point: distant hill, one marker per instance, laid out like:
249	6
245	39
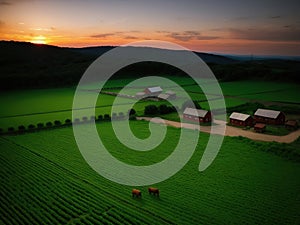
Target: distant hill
27	65
206	57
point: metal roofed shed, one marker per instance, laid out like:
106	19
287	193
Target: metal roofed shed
267	113
239	116
163	96
153	91
198	115
240	119
269	116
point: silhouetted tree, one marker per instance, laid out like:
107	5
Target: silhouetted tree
21	128
40	125
67	121
164	109
10	129
106	117
31	127
49	124
114	116
57	123
151	110
131	112
121	115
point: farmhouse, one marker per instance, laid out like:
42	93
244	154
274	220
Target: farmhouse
197	115
260	127
240	119
269	116
153	91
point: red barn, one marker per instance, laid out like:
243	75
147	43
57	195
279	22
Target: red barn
269	116
240	119
197	115
153	91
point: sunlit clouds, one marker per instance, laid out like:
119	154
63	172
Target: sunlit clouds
236	27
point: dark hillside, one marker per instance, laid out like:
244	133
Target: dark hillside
26	65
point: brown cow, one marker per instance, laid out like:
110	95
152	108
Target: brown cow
154	191
136	193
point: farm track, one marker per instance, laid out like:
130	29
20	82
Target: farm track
230	131
78	207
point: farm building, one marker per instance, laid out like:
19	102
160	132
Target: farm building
260	127
269	116
197	115
291	125
172	94
163	96
240	119
153	91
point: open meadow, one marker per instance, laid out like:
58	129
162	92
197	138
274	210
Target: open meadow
47	105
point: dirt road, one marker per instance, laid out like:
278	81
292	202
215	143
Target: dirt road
230	131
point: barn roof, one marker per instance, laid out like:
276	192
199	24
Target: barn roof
267	113
154	89
195	112
163	96
239	116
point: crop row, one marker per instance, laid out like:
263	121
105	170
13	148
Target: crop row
68	198
242	186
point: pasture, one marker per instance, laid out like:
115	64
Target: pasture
46	181
43	105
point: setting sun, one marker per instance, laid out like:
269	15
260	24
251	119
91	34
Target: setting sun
39	40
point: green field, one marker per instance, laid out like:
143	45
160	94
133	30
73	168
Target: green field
46	181
43	105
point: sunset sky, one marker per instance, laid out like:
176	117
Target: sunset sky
265	27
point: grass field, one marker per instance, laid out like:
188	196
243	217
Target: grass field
45	180
44	105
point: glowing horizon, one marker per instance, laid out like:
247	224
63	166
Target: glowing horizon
229	28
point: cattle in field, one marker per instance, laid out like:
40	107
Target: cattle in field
154	191
136	193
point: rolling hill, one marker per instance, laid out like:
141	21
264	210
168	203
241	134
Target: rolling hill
26	65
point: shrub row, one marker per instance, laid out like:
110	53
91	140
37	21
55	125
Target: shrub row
162	109
57	123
